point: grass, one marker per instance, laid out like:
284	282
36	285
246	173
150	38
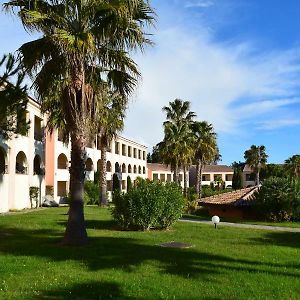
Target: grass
254	222
228	263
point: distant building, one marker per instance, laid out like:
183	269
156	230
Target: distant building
211	173
248	176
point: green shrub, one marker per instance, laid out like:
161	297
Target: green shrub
191	203
116	183
148	205
278	199
34	196
91	193
129	183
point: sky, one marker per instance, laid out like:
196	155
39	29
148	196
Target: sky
236	61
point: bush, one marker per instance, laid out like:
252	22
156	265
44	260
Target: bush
148	205
91	193
191	203
129	183
278	199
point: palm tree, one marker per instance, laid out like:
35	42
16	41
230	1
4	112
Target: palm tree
112	122
256	158
177	141
292	165
206	149
82	44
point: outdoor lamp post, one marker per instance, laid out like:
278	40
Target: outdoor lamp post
215	220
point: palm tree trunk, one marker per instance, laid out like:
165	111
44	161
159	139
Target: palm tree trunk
257	177
185	181
200	182
198	177
102	181
175	178
75	233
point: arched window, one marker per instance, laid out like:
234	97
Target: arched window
134	169
62	162
3	168
129	169
37	170
89	166
108	166
144	170
123	168
117	167
99	165
21	163
140	170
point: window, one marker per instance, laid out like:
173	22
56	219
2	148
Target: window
155	176
169	177
134	152
205	177
162	177
144	170
140	154
144	155
129	151
21	163
38	131
250	177
134	169
62	162
123	184
61	188
123	150
228	177
3	166
108	166
217	177
37	170
117	168
129	169
89	166
117	150
140	170
123	168
21	119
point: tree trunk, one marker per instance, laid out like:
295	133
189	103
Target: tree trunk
75	233
200	183
185	181
102	181
175	179
198	177
257	177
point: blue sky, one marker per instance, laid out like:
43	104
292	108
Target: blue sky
237	61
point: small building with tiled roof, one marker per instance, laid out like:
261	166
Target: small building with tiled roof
235	204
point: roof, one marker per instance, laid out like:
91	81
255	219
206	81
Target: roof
247	168
242	197
158	167
215	169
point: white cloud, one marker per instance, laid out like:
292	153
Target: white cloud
199	3
278	123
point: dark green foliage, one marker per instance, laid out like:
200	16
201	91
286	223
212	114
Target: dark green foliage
116	183
13	99
191	203
273	170
148	205
91	193
129	184
208	191
96	177
237	179
34	196
278	199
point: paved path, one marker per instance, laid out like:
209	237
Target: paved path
264	227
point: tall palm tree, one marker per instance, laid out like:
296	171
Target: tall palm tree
177	135
82	43
206	149
256	157
112	121
292	165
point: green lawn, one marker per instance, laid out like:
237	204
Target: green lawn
227	263
254	222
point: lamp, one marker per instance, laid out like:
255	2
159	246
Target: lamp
215	220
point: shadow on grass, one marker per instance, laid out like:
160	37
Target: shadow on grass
87	290
287	239
104	253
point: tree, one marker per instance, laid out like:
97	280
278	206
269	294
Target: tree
292	165
112	121
256	157
82	44
13	99
237	179
129	183
176	148
206	149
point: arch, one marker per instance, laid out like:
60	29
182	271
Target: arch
134	169
37	165
89	165
62	162
123	168
108	166
3	161
129	169
98	165
144	170
21	163
140	170
117	167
